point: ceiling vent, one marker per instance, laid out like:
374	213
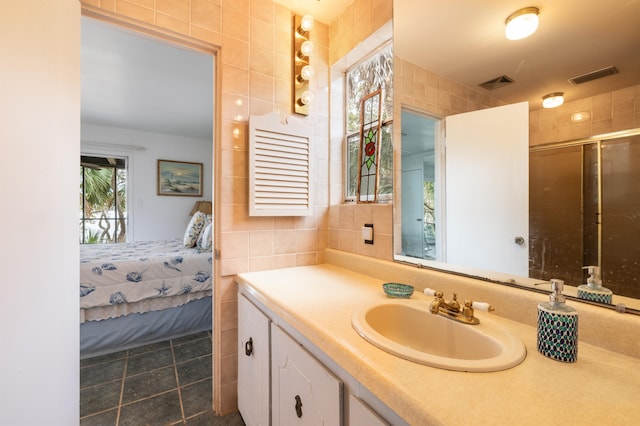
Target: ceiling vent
594	75
496	83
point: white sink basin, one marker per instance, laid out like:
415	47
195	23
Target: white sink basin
407	329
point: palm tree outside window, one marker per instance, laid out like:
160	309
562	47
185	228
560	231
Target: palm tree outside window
103	200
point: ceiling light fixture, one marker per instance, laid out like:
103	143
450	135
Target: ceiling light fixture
553	100
521	23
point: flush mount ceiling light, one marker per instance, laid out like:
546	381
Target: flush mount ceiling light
521	23
553	100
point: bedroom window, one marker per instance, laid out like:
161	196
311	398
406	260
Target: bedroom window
103	200
369	151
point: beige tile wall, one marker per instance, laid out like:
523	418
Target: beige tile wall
355	24
422	90
358	22
607	112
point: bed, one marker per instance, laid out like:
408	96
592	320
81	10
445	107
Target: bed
137	293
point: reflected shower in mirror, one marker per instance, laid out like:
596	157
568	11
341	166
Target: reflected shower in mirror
585	210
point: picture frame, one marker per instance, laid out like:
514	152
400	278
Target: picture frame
179	178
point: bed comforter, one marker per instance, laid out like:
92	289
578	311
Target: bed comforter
141	273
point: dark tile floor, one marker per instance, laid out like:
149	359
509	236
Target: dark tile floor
167	383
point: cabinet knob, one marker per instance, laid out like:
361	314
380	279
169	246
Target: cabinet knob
298	406
248	347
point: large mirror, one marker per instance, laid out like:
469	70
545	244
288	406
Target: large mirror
575	183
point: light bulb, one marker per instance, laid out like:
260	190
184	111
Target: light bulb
305	73
306	23
306	48
522	23
306	97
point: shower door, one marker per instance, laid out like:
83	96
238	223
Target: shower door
585	210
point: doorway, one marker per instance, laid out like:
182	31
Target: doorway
147	97
419	228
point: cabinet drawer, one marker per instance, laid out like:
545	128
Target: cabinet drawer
304	392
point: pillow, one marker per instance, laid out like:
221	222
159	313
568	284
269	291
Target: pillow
194	228
205	239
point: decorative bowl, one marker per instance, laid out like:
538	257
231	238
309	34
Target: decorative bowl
398	290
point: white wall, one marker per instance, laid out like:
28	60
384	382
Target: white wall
39	142
154	217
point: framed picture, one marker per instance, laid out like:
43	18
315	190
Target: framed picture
179	178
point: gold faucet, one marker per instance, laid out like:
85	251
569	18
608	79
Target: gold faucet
451	309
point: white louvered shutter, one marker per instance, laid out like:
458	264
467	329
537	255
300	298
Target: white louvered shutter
279	166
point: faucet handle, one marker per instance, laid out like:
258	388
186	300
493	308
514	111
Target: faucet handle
429	292
482	306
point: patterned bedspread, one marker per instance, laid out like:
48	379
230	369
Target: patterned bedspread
114	274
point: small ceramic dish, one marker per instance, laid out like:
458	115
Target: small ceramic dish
398	290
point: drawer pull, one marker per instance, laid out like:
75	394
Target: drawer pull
248	347
298	406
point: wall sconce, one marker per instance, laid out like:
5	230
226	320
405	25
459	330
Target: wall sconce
521	23
302	71
578	117
553	100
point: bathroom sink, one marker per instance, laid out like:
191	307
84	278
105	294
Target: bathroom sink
408	330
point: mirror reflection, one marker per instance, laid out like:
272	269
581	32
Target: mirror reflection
582	205
418	186
584	210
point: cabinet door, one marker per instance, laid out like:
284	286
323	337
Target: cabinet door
253	364
304	391
362	414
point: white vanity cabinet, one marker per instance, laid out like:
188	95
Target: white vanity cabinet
283	382
271	363
253	364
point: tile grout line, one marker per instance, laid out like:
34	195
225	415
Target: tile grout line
124	376
175	371
173	345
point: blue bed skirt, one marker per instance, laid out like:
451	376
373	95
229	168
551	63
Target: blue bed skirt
126	332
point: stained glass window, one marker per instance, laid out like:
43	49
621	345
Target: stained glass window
369	105
369	147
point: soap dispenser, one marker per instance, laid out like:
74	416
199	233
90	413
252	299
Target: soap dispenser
593	289
557	326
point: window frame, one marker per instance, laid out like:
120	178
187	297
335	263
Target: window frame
386	127
127	157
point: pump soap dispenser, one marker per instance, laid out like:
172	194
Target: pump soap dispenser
557	326
594	290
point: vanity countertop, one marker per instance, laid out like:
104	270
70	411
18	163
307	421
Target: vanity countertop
602	387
